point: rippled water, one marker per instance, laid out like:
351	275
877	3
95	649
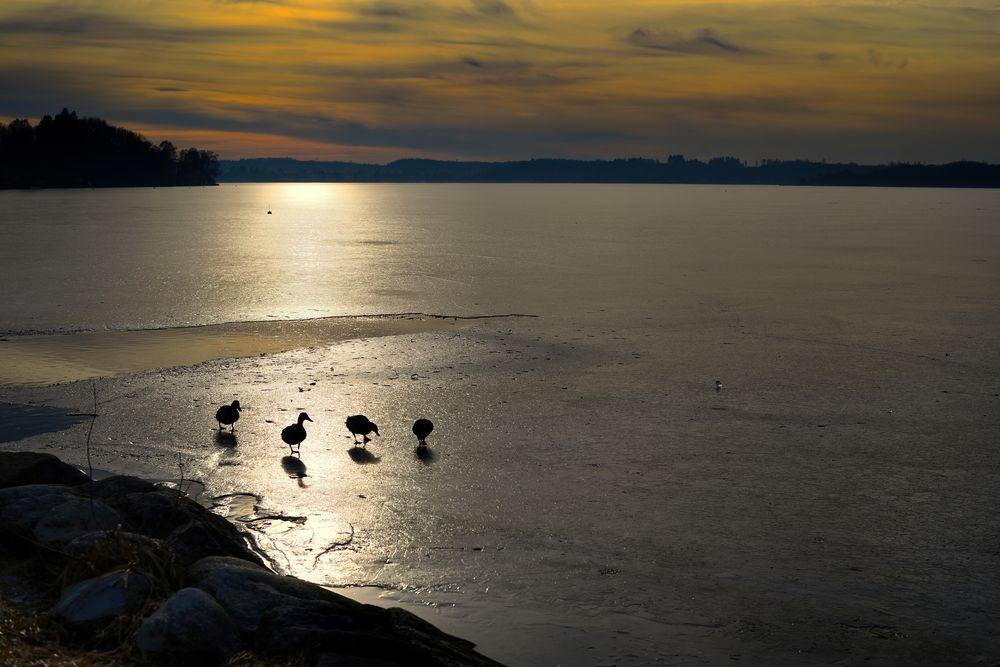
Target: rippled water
590	498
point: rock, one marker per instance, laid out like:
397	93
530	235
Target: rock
152	513
84	545
247	592
430	645
99	600
21	507
190	627
21	468
115	486
98	552
204	537
284	615
51	516
313	624
333	660
191	530
73	518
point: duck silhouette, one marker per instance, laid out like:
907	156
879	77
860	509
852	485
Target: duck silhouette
361	425
422	428
228	414
295	434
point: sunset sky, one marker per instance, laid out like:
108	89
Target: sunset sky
512	79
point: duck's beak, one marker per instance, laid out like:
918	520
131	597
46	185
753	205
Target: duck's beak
377	433
309	420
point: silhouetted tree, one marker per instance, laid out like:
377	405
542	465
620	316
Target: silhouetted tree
195	167
68	151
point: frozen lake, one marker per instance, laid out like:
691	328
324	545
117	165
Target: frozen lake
590	498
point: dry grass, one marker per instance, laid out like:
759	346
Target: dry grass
27	642
24	642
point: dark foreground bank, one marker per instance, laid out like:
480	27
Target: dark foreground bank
122	562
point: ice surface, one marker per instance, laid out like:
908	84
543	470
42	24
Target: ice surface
590	497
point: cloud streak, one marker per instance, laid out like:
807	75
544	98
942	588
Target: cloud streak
704	42
497	9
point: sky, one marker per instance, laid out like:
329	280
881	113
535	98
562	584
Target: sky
378	80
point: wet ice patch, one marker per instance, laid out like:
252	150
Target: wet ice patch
19	421
68	357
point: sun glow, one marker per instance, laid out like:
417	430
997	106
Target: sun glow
305	195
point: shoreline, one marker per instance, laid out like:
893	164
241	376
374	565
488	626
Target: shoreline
137	560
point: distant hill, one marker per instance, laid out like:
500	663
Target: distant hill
677	169
66	151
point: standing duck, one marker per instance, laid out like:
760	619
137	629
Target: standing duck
361	425
228	414
422	428
295	434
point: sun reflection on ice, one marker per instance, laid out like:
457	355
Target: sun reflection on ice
293	543
308	195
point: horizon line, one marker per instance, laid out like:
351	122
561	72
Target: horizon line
749	164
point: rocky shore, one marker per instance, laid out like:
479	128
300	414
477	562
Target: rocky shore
122	561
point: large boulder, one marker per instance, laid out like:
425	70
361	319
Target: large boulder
189	529
73	518
248	592
21	468
205	537
152	513
21	507
283	615
334	660
100	600
189	628
116	486
51	516
87	545
103	551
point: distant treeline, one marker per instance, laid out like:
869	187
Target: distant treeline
677	169
66	151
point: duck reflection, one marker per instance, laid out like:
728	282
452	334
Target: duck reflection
293	467
425	454
362	455
225	438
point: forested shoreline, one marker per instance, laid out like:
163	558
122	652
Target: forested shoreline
68	151
676	169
